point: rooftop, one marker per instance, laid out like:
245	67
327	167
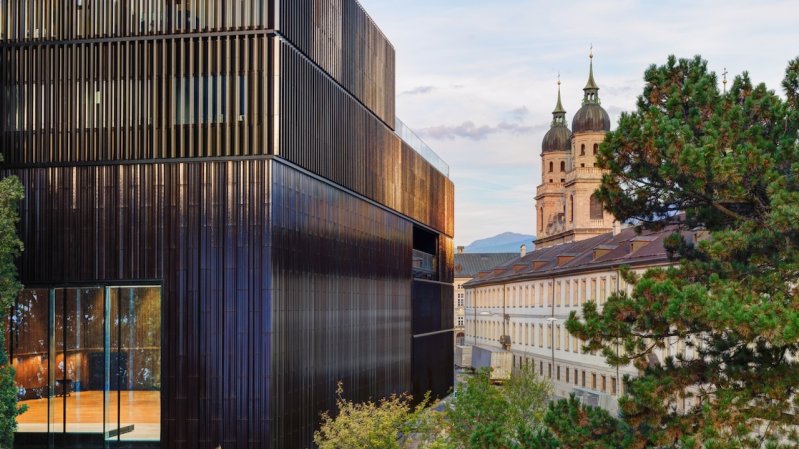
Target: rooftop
468	265
628	247
405	133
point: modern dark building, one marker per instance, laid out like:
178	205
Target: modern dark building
223	218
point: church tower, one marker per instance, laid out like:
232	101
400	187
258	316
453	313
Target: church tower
583	214
555	161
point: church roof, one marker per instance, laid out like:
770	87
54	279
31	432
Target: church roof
591	117
558	138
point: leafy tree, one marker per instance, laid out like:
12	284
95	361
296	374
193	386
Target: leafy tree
391	423
723	167
10	248
483	415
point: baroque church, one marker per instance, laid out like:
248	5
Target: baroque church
566	207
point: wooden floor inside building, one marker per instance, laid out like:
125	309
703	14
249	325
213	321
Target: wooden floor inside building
139	412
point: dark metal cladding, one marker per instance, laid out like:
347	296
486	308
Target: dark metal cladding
342	39
244	159
558	138
350	146
591	118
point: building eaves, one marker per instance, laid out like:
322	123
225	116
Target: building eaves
581	257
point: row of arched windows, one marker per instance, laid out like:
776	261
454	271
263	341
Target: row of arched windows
552	166
582	149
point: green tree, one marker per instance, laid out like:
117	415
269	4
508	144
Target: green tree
391	423
577	426
10	248
483	416
723	167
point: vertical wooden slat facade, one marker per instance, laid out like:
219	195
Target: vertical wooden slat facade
241	153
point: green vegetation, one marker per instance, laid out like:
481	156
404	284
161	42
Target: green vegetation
483	416
10	248
391	423
515	415
729	163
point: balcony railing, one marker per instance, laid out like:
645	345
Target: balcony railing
406	134
423	265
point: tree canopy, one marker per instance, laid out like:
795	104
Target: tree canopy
10	248
724	168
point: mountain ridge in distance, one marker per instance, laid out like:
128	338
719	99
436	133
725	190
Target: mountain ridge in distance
507	242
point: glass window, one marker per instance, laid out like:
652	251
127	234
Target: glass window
88	362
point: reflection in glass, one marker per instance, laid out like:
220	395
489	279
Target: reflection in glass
88	363
135	363
29	343
78	362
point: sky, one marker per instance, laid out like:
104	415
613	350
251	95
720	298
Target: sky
477	80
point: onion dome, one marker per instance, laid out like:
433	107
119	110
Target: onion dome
558	138
592	117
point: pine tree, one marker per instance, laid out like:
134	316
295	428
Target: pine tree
577	426
723	167
10	248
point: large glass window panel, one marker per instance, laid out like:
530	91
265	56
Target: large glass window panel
79	371
30	356
88	364
135	362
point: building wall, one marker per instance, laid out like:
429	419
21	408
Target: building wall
276	286
336	34
530	305
459	302
246	160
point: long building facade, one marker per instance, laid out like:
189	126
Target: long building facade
221	221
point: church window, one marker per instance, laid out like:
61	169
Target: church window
582	150
571	208
541	219
596	148
562	165
551	166
596	208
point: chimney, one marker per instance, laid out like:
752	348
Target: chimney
461	249
616	227
523	250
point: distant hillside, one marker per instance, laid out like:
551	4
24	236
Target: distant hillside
507	242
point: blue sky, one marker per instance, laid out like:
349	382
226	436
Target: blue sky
477	79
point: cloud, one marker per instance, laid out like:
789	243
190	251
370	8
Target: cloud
519	114
468	130
421	90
